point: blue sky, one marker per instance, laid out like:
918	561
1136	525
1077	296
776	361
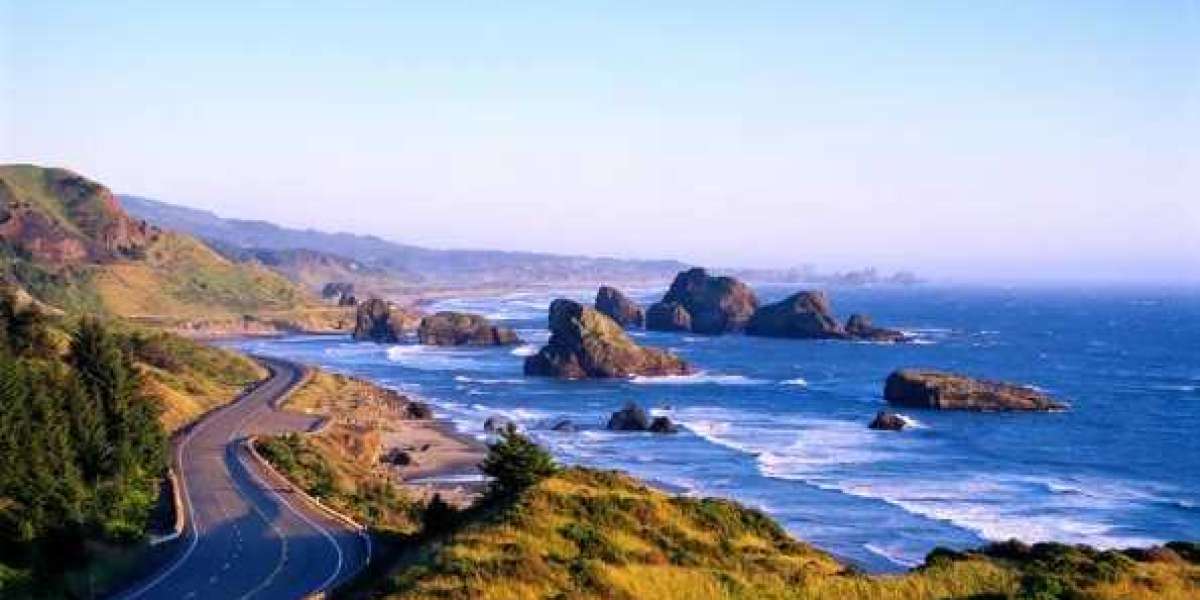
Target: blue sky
1015	140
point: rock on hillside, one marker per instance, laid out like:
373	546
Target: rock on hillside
449	328
60	218
381	322
949	391
71	245
712	304
586	343
618	307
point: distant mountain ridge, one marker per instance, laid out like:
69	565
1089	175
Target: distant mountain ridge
403	262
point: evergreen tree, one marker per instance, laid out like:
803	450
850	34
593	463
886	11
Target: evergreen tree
515	463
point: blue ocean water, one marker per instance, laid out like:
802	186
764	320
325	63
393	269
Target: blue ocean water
782	424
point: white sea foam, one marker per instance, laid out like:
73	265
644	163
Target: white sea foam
487	381
800	381
696	378
911	422
839	456
893	556
525	350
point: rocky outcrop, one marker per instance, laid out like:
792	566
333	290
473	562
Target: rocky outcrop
808	315
380	321
887	421
859	327
563	426
668	316
631	417
341	291
418	411
60	218
663	425
712	305
337	289
497	423
949	391
804	315
619	308
585	343
448	328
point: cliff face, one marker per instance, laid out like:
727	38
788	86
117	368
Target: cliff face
60	218
66	240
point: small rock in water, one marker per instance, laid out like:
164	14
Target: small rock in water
663	425
630	418
888	421
563	425
497	423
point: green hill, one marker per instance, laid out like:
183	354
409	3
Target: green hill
66	240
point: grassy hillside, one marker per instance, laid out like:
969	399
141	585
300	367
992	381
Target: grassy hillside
188	378
67	241
182	277
591	534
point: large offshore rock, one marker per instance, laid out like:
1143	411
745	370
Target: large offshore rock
449	328
586	343
379	321
712	304
802	315
618	307
949	391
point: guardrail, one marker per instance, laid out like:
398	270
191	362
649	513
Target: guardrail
266	465
177	507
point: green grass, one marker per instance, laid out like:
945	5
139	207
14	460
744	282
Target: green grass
323	468
166	275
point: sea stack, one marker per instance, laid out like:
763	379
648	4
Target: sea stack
619	308
940	390
379	321
584	343
449	328
809	315
804	315
860	327
701	303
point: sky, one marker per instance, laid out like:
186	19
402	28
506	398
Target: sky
965	141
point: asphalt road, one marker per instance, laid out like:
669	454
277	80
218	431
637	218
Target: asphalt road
248	534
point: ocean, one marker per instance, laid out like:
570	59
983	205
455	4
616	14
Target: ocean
782	424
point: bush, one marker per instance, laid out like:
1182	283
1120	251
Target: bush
515	463
438	516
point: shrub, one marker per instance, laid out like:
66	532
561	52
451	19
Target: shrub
515	463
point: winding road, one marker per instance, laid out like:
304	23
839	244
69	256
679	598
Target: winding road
248	534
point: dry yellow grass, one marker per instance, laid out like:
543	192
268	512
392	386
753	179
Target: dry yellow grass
589	534
181	277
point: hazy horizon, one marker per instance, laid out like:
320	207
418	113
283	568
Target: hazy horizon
999	142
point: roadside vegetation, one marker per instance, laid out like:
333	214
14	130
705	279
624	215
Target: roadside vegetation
82	449
549	532
322	470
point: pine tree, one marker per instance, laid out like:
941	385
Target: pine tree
516	463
